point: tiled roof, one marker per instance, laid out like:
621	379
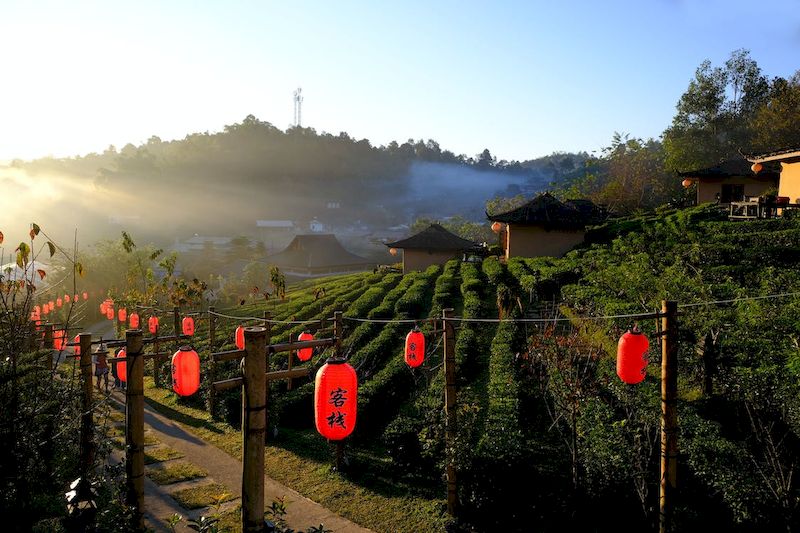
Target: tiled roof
548	211
435	237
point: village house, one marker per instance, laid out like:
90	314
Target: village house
789	180
545	226
730	181
432	246
317	255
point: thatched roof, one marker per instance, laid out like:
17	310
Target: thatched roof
317	251
434	237
732	168
548	211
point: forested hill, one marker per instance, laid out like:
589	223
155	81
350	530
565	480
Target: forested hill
253	170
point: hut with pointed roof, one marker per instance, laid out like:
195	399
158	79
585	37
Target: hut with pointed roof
431	246
317	255
546	226
730	181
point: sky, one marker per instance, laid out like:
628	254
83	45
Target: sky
524	79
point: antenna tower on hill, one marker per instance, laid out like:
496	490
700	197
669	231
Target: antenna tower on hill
298	104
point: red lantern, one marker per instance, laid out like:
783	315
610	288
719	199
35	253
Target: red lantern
77	347
496	227
37	309
51	304
133	320
631	362
393	251
59	303
152	325
687	183
103	308
122	314
185	371
756	168
58	339
122	366
335	399
75	298
187	325
66	298
85	295
238	337
110	313
415	348
45	310
304	354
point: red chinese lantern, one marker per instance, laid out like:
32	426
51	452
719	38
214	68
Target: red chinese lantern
58	339
152	325
133	321
110	313
393	251
687	183
66	298
51	304
187	325
122	314
103	308
335	399
85	295
756	168
75	298
238	337
122	366
415	348
59	303
304	354
496	227
45	310
631	362
37	309
185	371
77	347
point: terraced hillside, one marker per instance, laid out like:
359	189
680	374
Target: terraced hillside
546	431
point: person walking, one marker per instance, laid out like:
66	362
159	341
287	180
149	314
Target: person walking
101	366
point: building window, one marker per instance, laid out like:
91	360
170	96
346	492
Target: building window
731	193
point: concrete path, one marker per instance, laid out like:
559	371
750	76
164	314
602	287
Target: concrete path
222	468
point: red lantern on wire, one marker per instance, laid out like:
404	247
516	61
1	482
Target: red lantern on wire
59	302
58	339
103	306
77	348
37	309
415	348
335	399
45	310
152	325
496	227
51	304
66	298
187	326
238	337
75	298
133	320
631	361
85	296
304	354
122	366
185	371
110	313
122	314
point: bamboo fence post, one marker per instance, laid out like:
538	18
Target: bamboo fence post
254	425
87	420
156	366
450	410
134	425
212	365
268	327
669	419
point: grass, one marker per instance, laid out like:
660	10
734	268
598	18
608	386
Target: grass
302	460
202	496
159	454
175	472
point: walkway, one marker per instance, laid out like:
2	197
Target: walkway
222	469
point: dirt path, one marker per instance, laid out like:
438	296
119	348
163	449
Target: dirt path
164	433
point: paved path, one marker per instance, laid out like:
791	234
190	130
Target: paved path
222	468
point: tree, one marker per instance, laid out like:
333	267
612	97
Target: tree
776	123
278	282
711	123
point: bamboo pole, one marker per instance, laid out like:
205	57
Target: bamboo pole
337	353
87	420
212	365
450	409
669	418
134	425
254	424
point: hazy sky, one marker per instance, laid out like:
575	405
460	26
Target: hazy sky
521	78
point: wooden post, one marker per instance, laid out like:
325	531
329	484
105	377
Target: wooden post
212	365
268	327
87	420
337	353
450	409
156	366
290	364
254	426
134	425
669	415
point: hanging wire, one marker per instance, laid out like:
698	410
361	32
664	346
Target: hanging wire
742	299
262	319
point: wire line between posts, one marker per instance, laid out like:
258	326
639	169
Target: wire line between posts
261	319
